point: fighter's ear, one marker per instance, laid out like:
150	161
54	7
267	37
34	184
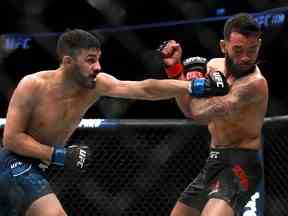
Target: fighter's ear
67	60
222	46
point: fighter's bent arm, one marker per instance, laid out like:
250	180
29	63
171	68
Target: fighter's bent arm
241	94
149	89
15	137
183	101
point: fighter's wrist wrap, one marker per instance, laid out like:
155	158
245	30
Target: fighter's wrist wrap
58	156
175	70
197	87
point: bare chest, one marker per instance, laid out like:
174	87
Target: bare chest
54	118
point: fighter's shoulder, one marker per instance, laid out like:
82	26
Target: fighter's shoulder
104	76
216	64
105	80
34	80
255	82
258	79
214	61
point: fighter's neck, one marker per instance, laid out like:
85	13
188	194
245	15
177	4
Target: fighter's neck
68	85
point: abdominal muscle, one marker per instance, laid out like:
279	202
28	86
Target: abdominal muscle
233	135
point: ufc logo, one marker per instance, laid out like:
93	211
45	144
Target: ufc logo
82	158
218	79
214	155
16	164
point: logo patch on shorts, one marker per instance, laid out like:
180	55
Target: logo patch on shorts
214	155
19	167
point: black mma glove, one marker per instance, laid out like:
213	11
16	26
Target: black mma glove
194	67
71	157
214	84
162	46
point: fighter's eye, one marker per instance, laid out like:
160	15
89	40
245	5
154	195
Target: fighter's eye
90	61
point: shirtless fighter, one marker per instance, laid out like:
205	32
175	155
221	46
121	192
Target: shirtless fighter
232	170
46	108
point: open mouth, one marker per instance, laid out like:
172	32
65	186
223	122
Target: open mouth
93	77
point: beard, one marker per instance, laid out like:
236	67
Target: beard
236	70
83	81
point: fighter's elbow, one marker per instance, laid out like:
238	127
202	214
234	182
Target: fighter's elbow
188	115
186	111
199	117
196	115
9	142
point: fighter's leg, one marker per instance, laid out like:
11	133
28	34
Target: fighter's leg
47	205
217	207
181	209
192	200
39	199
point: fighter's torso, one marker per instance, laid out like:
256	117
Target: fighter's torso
243	131
56	113
241	128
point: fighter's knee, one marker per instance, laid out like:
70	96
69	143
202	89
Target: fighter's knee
48	212
181	209
56	212
61	212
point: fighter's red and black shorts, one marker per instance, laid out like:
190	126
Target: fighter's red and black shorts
229	174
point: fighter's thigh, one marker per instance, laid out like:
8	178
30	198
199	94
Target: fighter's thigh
217	207
48	205
180	209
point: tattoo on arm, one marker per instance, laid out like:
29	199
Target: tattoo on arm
206	109
240	95
248	92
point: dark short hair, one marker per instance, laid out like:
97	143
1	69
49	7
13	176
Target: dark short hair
242	23
72	41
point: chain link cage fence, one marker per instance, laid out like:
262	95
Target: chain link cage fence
139	168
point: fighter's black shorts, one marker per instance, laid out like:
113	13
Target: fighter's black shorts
229	174
21	183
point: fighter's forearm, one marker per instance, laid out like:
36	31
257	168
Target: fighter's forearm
25	145
164	89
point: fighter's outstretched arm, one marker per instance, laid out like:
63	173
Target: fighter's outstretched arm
149	89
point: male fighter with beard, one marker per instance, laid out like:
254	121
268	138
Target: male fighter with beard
232	170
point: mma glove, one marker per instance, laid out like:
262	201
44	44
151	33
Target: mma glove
72	157
214	84
173	71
